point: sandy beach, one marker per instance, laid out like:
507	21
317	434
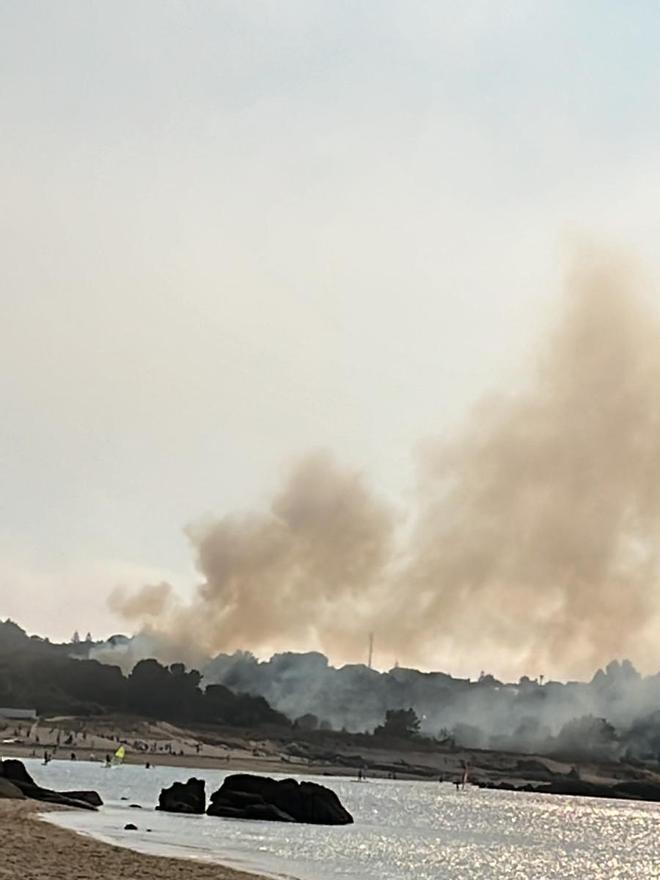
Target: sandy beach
32	849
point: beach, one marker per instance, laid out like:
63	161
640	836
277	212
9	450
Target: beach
36	850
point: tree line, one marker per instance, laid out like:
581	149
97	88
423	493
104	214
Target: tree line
37	674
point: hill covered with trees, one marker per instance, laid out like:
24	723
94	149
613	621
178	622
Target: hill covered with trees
617	713
57	678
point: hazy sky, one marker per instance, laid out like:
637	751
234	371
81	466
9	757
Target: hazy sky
232	232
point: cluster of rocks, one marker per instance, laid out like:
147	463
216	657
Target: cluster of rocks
244	796
640	790
16	782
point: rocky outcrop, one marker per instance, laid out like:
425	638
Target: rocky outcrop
184	797
633	790
572	786
9	790
14	773
639	789
243	796
93	798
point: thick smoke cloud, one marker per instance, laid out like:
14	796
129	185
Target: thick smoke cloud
531	546
308	571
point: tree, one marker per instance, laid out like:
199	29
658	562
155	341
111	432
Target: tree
75	638
400	723
587	736
308	721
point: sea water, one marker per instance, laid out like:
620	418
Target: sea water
402	830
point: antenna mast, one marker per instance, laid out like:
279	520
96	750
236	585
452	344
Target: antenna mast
371	649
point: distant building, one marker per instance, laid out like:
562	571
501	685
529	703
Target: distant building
18	714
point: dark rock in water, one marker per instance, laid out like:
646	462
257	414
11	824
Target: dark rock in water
258	812
267	813
134	807
243	796
571	785
577	788
644	790
9	790
130	827
14	773
93	798
183	797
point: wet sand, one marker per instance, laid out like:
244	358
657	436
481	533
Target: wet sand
32	849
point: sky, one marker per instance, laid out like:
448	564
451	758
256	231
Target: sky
234	232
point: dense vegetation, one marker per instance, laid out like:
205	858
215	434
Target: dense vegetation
615	715
36	674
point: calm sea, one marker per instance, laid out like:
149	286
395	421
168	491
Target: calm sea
402	831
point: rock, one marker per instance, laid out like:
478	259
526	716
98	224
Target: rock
183	797
225	811
9	790
572	786
267	813
130	827
134	807
93	798
244	796
14	772
641	789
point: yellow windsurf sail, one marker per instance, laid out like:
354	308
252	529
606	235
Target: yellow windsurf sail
119	755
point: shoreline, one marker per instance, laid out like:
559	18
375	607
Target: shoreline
162	744
191	760
37	848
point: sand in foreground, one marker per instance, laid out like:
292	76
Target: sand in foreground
34	850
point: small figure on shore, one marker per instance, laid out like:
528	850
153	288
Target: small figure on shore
360	775
147	766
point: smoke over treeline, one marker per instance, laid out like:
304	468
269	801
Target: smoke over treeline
614	713
531	542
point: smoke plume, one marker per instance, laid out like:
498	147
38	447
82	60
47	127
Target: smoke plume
534	536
